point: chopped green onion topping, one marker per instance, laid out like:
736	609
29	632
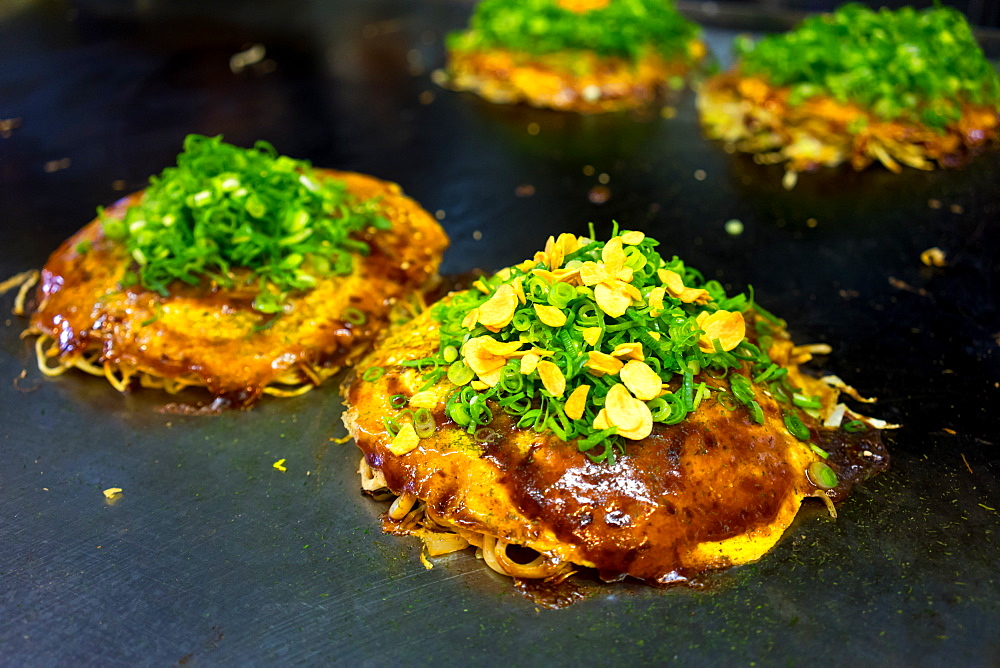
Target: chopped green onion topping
459	373
391	426
241	217
822	475
660	329
905	64
727	400
423	423
625	28
806	402
486	435
854	426
741	389
372	374
353	316
796	427
819	451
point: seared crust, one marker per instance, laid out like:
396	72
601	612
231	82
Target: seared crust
578	81
213	338
752	116
713	491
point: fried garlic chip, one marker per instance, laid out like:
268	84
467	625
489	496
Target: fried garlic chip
726	326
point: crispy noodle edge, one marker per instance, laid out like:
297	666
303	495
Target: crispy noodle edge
294	382
410	515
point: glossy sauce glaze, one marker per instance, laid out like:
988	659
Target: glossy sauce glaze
213	336
714	490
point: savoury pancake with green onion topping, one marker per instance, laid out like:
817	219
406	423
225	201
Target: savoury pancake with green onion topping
606	408
902	87
587	56
239	271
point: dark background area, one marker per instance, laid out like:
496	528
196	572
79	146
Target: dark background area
212	556
979	12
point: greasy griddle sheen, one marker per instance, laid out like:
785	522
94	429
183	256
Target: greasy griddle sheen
213	337
712	491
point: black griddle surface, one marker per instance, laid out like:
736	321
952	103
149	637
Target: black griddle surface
212	556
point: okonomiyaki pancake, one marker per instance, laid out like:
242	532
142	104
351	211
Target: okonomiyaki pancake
901	88
587	56
606	408
281	323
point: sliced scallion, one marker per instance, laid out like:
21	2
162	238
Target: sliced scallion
796	427
854	426
822	475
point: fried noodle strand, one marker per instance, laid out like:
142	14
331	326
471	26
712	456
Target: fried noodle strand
409	515
120	376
